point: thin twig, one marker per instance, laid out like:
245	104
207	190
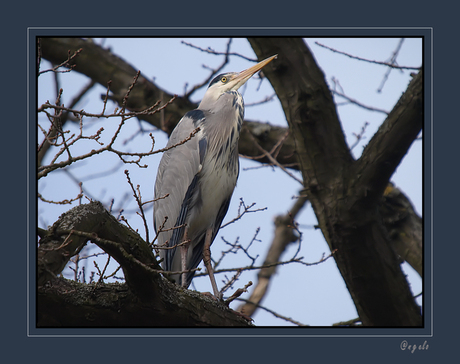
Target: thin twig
392	61
209	50
44	170
101	274
272	312
237	293
63	202
138	198
247	209
360	135
353	101
70	57
275	264
367	60
272	159
213	71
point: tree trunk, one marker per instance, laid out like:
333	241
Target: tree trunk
346	193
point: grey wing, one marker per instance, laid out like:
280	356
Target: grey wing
177	176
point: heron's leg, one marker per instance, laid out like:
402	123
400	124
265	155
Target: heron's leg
207	262
183	257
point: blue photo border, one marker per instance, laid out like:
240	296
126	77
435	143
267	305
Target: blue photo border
23	20
425	33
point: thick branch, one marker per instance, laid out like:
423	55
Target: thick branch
351	226
404	227
147	299
390	144
92	222
101	65
308	104
64	303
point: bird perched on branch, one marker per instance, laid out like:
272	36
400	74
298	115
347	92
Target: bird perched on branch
199	177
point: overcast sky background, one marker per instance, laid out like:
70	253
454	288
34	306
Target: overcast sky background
314	295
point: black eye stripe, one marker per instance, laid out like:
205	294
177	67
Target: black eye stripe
219	78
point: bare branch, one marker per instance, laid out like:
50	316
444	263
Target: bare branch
284	226
264	101
227	53
237	293
44	170
246	210
102	65
66	63
213	71
387	64
391	61
258	305
360	135
354	101
63	202
138	198
273	159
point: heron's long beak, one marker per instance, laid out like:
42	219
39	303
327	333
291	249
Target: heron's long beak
245	75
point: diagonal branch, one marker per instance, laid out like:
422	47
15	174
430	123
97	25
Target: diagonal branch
390	144
146	300
101	65
283	236
92	222
346	194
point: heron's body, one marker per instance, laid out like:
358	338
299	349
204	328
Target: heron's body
202	197
199	176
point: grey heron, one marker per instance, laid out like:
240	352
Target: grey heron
199	177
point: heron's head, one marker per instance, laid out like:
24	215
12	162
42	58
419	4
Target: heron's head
232	81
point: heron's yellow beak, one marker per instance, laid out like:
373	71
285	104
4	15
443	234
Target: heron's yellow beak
243	76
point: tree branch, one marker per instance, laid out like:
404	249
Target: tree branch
404	227
389	145
283	236
347	213
387	64
101	65
147	299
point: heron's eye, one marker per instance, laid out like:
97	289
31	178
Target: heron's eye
224	79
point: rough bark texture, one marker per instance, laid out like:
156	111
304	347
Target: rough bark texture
404	227
145	300
346	194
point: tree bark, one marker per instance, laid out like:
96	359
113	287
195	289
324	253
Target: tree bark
145	300
404	227
346	194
